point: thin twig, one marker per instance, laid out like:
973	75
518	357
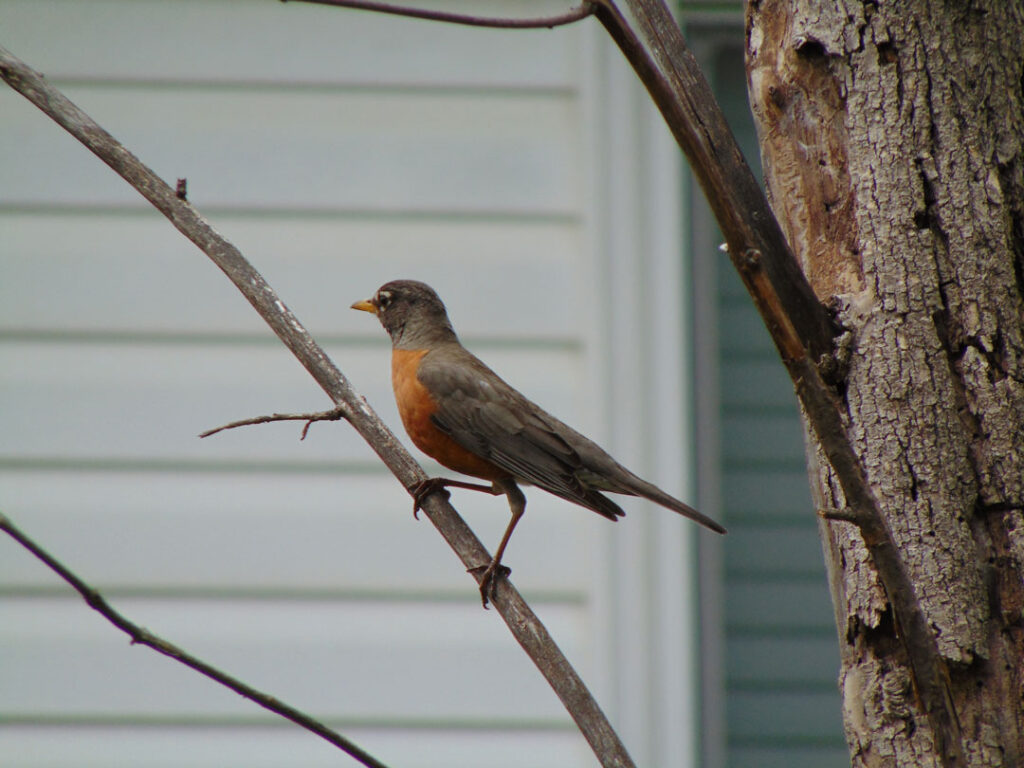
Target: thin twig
142	636
528	630
334	414
581	11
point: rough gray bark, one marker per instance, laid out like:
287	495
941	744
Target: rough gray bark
892	140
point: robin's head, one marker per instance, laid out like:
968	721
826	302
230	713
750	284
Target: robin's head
411	312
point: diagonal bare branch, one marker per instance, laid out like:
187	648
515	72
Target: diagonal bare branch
653	43
142	636
528	630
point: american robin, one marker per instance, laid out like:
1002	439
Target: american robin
462	414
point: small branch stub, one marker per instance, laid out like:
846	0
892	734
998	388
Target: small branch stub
751	260
844	515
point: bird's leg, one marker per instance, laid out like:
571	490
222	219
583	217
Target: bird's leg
517	502
424	488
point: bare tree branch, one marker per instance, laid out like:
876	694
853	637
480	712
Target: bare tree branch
142	636
335	414
581	11
528	630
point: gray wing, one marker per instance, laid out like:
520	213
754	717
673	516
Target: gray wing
485	415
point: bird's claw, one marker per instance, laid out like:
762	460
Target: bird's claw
488	578
424	488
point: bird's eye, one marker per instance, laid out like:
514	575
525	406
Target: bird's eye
383	299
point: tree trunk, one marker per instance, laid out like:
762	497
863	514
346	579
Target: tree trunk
892	136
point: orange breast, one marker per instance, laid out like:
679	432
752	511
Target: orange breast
416	406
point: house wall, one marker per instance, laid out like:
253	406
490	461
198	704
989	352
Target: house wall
524	175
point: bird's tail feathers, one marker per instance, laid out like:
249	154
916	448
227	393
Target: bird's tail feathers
658	496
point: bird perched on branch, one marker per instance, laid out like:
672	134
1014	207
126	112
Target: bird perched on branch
462	414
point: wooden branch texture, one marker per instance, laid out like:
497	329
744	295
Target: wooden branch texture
892	144
523	623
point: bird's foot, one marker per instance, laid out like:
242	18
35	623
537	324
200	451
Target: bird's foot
488	576
424	488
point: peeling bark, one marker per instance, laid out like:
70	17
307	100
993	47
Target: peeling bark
893	144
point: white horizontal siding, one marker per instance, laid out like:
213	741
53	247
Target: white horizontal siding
338	150
250	531
126	400
418	661
149	270
296	148
271	746
250	41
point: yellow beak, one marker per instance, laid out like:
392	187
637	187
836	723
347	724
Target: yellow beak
365	306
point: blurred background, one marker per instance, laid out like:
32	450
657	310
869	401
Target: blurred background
526	177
